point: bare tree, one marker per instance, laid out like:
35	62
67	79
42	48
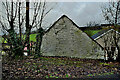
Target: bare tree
111	14
109	45
16	19
8	23
92	24
40	11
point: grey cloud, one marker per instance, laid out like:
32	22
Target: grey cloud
80	12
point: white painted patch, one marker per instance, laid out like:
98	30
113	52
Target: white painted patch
25	53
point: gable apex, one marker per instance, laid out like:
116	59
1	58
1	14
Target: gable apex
63	16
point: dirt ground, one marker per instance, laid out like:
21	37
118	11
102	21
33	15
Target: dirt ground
57	67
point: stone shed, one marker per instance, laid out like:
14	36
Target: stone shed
106	39
64	38
107	35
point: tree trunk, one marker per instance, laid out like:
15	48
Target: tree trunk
118	56
38	45
20	30
110	55
39	41
105	55
27	27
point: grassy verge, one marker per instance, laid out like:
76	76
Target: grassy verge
91	32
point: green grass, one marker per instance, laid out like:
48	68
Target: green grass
107	64
102	74
91	32
104	64
32	38
2	40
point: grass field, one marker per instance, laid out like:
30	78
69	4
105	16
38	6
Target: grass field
32	38
91	32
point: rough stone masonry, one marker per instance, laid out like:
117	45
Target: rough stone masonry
64	38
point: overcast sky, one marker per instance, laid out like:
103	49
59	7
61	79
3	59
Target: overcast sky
80	12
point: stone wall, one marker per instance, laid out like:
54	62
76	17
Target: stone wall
65	39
